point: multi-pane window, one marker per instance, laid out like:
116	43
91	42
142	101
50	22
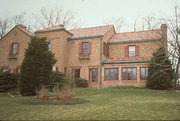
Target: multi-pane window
111	73
132	50
85	48
129	74
5	70
143	73
18	70
14	49
49	46
93	74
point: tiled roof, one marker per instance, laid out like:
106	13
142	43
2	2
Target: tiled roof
127	59
139	35
51	28
92	31
25	30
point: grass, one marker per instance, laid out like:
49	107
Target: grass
106	104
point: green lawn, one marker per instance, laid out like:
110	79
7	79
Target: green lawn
106	104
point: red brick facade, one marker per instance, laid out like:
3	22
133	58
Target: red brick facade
98	54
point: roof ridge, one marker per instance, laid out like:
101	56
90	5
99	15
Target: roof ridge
51	27
91	27
139	31
25	30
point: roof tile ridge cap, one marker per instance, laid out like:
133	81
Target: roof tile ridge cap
25	30
138	31
51	27
90	27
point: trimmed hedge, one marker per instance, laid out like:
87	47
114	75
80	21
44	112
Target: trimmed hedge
81	82
8	81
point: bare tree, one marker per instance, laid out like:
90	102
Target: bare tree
5	25
54	16
174	41
8	23
135	25
150	22
18	19
118	23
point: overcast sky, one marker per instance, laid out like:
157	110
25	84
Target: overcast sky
93	12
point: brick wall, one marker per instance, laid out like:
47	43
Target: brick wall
15	36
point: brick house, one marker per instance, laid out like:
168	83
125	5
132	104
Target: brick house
98	54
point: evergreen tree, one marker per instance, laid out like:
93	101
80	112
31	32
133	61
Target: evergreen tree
160	75
36	67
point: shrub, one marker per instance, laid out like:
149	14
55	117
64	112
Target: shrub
42	93
8	81
160	75
36	67
64	92
56	78
81	82
64	89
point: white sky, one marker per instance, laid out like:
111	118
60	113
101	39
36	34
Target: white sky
93	12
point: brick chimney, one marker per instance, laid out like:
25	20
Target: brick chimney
61	25
22	26
164	35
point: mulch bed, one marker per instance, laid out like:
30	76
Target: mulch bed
73	101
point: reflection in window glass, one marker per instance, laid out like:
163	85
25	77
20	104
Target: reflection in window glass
129	74
111	73
93	74
133	73
143	73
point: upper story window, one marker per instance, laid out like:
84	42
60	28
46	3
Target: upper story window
85	48
132	51
14	49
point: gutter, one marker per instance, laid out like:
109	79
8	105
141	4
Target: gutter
54	30
132	61
131	41
86	37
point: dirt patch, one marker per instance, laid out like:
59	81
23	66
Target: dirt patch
72	101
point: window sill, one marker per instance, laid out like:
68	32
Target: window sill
132	56
111	80
81	56
93	81
129	81
142	81
12	57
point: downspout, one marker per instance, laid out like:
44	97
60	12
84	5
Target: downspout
101	64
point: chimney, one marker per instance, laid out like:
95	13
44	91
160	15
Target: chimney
164	27
22	26
61	25
164	35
